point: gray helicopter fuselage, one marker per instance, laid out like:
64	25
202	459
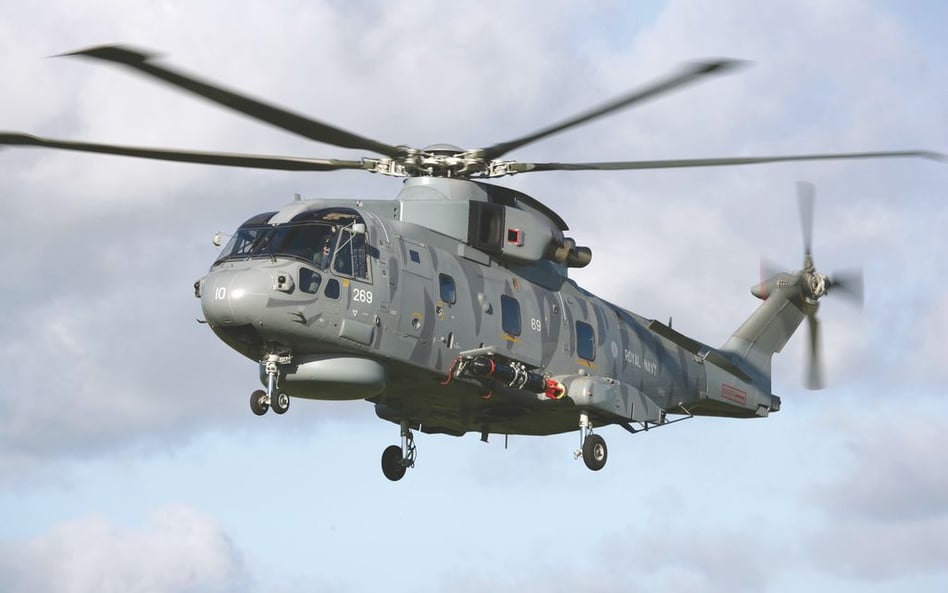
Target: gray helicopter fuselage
413	290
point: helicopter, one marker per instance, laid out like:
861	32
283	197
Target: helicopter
449	307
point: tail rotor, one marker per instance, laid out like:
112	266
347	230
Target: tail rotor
814	285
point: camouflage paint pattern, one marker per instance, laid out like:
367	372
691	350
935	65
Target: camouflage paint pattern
395	335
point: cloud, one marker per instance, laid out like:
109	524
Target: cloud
177	550
665	558
887	512
897	473
881	551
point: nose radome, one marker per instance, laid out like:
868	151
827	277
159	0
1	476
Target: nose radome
235	297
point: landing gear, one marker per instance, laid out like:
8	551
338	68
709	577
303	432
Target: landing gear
280	403
271	399
592	447
258	402
595	452
397	459
392	465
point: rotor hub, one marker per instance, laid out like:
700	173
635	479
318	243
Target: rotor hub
816	286
438	160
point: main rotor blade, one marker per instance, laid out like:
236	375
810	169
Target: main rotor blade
806	196
185	156
690	73
518	167
281	118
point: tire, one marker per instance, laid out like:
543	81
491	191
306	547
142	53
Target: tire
258	402
595	452
392	465
280	403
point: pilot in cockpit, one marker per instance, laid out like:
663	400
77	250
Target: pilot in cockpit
323	258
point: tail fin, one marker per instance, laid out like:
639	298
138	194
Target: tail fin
769	328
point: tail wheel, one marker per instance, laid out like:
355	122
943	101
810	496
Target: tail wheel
595	452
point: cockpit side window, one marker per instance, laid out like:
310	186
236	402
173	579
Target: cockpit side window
351	258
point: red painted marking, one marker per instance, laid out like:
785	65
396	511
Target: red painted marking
554	389
733	394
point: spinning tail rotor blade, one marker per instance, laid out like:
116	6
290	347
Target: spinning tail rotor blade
848	284
809	286
276	116
805	196
769	269
768	272
814	379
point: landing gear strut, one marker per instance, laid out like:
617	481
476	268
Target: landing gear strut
592	447
397	459
272	398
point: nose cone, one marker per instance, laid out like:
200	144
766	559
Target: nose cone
232	298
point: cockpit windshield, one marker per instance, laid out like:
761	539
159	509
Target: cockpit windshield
298	240
314	237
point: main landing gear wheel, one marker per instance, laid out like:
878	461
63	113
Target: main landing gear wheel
392	465
258	402
280	403
595	452
591	446
396	460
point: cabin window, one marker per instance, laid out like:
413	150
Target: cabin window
310	280
332	288
449	293
585	341
510	315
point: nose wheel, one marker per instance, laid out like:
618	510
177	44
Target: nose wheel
397	459
259	402
272	398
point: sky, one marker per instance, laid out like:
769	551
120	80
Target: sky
129	460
